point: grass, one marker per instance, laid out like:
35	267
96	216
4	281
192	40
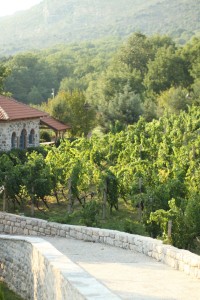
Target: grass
6	294
124	219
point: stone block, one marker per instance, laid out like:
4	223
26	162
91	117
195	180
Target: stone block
2	228
47	231
186	269
62	233
17	230
53	231
109	241
118	243
7	229
195	261
79	235
26	232
126	246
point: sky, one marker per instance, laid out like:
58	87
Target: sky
9	7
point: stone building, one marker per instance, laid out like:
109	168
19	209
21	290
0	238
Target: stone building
20	125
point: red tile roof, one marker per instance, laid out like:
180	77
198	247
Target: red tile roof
10	109
54	124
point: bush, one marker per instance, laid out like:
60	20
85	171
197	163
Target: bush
90	213
134	227
19	155
45	136
61	219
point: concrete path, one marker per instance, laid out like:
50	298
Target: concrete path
128	274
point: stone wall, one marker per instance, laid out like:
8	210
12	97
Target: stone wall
182	260
9	127
34	269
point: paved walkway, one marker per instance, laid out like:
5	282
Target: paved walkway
128	274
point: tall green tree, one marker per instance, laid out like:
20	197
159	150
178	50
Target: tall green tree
136	52
166	70
28	73
4	72
72	108
173	101
123	109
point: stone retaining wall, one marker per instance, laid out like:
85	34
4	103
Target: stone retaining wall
182	260
34	269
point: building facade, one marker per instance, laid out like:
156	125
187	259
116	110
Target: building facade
19	134
20	125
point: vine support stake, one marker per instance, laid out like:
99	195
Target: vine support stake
70	196
4	200
140	204
104	200
32	201
169	233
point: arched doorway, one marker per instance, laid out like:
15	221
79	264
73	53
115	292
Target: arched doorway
13	140
23	139
32	138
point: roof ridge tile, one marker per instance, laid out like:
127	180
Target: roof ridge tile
4	114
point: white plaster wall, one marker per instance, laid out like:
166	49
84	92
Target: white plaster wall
7	128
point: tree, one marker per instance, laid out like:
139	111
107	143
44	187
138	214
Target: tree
37	179
190	52
173	100
72	108
4	72
34	96
70	84
31	78
195	93
128	68
140	49
6	166
124	108
166	70
136	53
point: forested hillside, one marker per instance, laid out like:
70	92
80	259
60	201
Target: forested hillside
33	75
108	83
54	22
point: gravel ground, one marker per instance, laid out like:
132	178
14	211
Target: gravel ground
128	274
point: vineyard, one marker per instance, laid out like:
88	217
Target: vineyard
152	166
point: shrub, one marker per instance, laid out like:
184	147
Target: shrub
61	219
90	213
45	136
134	227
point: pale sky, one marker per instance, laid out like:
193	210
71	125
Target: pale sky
9	7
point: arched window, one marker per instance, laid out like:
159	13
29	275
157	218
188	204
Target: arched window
13	140
23	142
32	137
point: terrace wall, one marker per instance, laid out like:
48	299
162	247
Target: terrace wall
179	259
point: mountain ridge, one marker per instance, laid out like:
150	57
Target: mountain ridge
51	22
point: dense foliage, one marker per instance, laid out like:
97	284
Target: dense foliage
152	165
36	75
107	85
